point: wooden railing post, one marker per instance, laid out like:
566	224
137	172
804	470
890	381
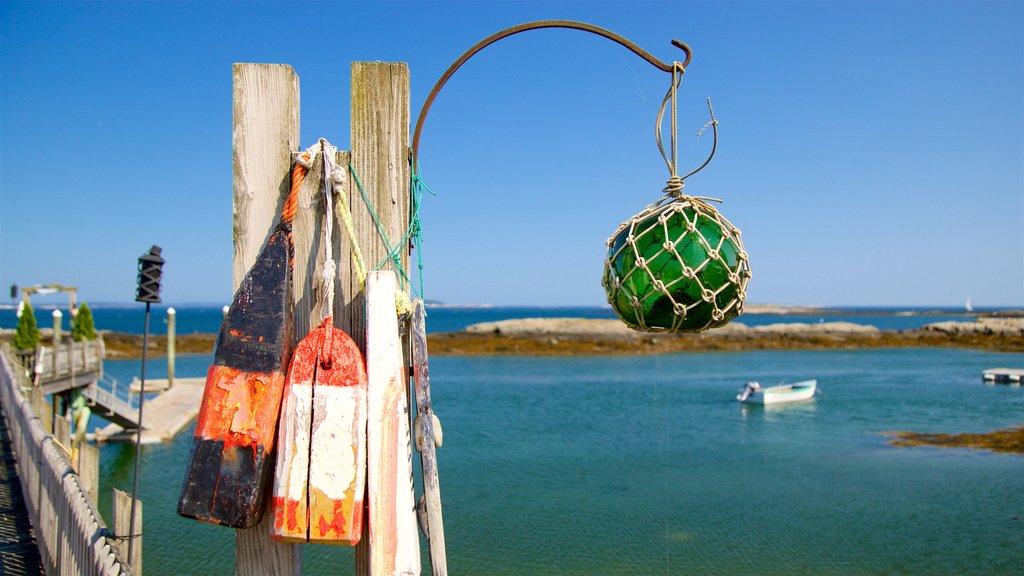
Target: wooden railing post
265	133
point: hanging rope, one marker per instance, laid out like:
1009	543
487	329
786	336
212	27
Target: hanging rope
330	268
676	184
292	203
338	180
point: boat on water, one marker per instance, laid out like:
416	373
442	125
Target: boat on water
753	393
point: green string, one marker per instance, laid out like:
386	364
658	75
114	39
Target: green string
414	230
417	186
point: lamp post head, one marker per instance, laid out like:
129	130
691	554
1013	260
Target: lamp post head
150	273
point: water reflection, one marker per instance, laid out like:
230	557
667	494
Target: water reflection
778	412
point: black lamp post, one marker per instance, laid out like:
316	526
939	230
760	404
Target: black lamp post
148	291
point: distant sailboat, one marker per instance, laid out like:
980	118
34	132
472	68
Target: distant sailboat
968	306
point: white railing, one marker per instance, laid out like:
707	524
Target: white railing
113	401
70	533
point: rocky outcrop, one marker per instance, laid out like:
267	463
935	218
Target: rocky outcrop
983	326
613	328
552	326
576	336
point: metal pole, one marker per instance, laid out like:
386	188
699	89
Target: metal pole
138	438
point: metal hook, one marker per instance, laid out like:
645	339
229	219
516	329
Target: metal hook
534	26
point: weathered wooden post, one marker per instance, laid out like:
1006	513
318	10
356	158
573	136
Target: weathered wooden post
122	523
171	320
265	133
380	157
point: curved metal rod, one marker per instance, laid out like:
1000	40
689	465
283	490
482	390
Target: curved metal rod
534	26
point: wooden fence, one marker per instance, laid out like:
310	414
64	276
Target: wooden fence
71	535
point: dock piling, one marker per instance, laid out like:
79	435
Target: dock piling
171	321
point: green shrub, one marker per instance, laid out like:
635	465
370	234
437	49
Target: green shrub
26	336
82	328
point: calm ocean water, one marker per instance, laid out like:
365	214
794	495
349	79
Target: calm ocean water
648	465
206	319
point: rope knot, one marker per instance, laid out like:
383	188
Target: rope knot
674	187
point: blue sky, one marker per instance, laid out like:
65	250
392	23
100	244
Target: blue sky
872	152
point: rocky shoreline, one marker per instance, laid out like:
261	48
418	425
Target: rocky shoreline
577	336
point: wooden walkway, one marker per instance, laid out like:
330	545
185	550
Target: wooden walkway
19	553
164	416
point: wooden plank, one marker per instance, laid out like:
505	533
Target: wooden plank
380	157
265	132
42	408
427	439
122	521
394	537
88	468
62	432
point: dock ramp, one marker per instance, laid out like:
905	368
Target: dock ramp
114	401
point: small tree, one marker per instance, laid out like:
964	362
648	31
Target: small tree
83	328
26	337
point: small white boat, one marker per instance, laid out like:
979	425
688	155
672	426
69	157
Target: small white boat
753	393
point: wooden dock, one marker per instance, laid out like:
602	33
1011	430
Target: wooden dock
1003	375
164	416
19	553
70	535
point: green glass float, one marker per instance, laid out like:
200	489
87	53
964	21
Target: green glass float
678	266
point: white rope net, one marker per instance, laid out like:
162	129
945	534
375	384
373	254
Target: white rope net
677	266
